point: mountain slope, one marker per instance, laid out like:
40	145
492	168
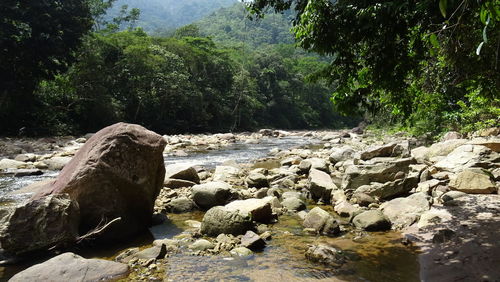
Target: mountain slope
231	24
169	14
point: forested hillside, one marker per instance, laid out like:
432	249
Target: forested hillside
182	82
232	25
418	66
168	14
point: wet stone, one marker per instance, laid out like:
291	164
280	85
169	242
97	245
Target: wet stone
326	255
252	241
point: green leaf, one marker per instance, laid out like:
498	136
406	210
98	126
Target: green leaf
443	4
434	41
483	14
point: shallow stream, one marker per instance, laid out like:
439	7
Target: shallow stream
370	256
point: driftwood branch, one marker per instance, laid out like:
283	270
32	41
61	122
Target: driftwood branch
98	230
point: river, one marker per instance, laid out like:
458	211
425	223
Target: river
371	256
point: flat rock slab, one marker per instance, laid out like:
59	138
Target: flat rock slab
71	267
182	172
467	156
473	181
470	233
403	212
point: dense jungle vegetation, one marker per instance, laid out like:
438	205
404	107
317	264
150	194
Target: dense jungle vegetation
429	65
180	82
71	67
158	15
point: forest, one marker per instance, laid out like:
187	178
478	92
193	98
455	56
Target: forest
77	66
182	81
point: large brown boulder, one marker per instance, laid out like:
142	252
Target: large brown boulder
117	173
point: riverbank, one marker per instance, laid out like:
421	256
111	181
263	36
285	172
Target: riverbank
333	202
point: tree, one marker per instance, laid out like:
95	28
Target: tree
388	54
37	41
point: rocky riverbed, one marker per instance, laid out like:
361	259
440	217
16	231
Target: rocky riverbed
323	205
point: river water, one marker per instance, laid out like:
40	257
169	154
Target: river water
370	256
239	152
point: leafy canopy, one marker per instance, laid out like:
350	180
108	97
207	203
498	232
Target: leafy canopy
392	55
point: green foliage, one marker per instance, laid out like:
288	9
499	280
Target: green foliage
477	112
232	26
37	41
161	15
418	60
183	84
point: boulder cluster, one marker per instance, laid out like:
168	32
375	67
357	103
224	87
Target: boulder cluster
353	181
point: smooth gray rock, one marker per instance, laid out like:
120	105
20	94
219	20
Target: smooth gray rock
182	172
180	205
346	209
326	255
403	212
293	204
259	209
12	164
211	194
257	180
155	252
321	221
241	252
373	220
71	267
320	185
57	163
252	241
202	245
362	199
452	195
27	172
25	157
218	220
341	154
